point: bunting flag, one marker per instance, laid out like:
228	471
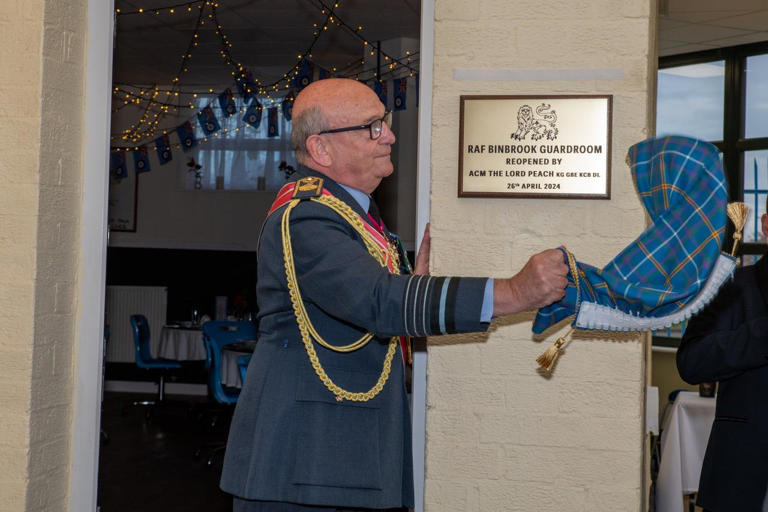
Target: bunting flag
399	87
227	102
187	136
208	121
381	91
287	105
246	85
253	114
323	73
304	74
272	128
117	165
141	160
417	90
163	146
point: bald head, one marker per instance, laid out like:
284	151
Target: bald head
324	104
347	152
336	98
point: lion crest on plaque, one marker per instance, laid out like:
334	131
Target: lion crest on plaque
539	123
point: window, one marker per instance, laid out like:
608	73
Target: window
690	100
720	96
241	157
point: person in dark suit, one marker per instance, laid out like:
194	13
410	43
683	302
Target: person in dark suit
728	342
323	421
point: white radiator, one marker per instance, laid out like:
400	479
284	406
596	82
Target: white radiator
121	303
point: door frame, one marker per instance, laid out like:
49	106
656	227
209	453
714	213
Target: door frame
89	350
89	340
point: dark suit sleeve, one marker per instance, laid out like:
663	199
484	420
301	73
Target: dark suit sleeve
337	274
727	337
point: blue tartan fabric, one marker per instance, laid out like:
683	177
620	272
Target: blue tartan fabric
681	183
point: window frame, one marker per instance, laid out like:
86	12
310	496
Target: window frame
734	143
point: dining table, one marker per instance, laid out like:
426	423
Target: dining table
182	343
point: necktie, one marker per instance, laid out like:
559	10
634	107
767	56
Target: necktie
375	217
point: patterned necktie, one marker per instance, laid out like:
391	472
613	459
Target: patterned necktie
375	217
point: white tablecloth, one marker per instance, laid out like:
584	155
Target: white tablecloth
188	345
683	443
230	371
181	344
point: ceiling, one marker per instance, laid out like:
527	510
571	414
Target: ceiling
694	25
266	37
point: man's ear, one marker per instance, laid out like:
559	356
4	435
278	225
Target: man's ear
765	225
318	150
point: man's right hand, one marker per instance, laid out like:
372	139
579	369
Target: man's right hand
541	282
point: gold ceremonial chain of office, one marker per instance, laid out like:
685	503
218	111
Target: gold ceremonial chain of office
547	359
307	330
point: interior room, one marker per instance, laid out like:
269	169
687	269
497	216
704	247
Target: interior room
185	226
146	141
185	221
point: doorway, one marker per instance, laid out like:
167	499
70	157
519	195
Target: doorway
94	242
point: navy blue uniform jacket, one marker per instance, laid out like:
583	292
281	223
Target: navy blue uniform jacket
728	342
290	440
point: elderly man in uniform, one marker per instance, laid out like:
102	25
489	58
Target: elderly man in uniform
323	422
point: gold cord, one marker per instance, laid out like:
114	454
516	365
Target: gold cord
306	328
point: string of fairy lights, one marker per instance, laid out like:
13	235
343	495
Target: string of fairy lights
156	103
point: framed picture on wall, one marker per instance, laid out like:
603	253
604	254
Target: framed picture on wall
123	197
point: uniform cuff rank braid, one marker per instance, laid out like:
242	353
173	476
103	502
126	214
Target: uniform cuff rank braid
429	305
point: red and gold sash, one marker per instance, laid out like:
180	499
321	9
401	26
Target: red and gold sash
286	194
312	187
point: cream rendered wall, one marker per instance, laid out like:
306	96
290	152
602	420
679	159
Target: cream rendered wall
41	103
500	437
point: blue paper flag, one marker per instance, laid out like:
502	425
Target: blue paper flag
287	106
272	128
381	91
399	88
246	85
187	136
141	160
253	114
163	146
304	75
208	121
117	165
227	102
417	90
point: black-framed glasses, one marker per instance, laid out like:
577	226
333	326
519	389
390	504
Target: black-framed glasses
375	127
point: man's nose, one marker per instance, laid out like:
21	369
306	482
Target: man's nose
387	135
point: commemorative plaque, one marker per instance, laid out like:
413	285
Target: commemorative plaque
535	146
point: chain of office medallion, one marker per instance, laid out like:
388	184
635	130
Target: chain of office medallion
306	328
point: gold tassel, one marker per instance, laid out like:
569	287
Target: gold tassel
547	359
737	212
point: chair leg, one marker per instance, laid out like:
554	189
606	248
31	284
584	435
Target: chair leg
161	389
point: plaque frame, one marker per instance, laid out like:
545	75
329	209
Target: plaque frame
509	105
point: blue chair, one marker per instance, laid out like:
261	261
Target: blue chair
216	336
144	359
242	363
